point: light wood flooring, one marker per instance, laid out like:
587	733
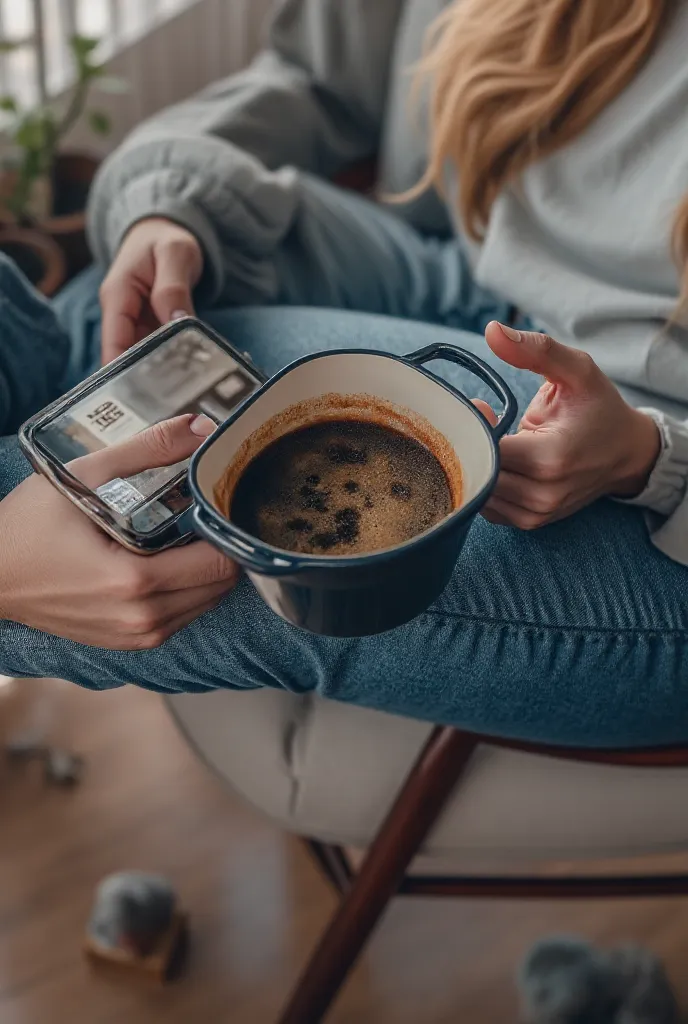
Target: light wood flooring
257	903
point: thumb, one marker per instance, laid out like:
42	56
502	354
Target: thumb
486	410
163	444
529	350
175	275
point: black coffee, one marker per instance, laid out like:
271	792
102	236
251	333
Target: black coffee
341	488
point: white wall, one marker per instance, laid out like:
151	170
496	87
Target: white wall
208	40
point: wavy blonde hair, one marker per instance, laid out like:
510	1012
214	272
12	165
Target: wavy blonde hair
513	80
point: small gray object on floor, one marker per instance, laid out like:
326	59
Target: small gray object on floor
131	910
568	981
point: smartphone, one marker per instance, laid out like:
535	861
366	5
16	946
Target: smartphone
186	366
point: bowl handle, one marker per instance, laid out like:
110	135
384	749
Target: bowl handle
453	354
244	552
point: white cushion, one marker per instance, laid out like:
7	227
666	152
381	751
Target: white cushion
331	771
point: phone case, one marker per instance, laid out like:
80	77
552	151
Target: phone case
185	366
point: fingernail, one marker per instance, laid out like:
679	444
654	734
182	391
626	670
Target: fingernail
179	314
511	333
202	426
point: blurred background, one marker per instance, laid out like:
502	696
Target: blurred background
145	800
75	77
163	49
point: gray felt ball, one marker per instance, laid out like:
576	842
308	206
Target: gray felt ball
562	981
647	995
568	981
132	904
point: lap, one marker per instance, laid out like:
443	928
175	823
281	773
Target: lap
573	634
277	336
345	251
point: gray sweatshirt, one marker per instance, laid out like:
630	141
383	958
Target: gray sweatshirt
581	246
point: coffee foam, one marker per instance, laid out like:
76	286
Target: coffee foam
378	525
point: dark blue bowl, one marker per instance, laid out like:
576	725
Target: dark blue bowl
371	593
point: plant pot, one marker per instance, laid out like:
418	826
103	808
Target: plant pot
72	178
37	255
67	194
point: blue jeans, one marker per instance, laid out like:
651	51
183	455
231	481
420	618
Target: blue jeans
574	634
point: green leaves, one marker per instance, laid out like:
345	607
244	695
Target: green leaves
36	132
35	136
83	46
100	123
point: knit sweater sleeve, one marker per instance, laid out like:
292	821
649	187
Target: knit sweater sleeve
666	492
313	99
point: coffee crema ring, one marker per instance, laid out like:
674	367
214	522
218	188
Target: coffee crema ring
344	475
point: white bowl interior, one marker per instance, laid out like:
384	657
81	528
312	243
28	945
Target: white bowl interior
361	373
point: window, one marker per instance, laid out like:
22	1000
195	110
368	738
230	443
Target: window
40	66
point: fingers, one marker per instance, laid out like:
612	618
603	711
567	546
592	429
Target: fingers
493	515
534	454
162	594
156	613
185	568
529	350
533	496
121	303
194	565
504	513
163	444
533	487
150	630
156	639
529	504
485	409
177	270
154	271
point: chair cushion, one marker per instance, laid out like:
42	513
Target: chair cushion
331	771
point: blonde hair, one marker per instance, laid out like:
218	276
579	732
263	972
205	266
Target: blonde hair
514	80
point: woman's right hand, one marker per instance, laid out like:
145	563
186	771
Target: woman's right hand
149	283
61	574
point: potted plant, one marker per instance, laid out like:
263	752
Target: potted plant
43	192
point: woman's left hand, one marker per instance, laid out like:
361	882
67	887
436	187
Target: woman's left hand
578	439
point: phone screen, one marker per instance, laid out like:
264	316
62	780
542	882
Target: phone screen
186	372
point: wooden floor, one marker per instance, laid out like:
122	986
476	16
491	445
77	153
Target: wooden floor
256	903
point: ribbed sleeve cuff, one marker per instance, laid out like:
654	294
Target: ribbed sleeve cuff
146	197
666	487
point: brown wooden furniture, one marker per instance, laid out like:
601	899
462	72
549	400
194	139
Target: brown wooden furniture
332	771
383	874
431	782
366	893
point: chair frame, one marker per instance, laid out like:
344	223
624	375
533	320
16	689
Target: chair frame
430	783
366	893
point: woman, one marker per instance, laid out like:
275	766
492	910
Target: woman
565	122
